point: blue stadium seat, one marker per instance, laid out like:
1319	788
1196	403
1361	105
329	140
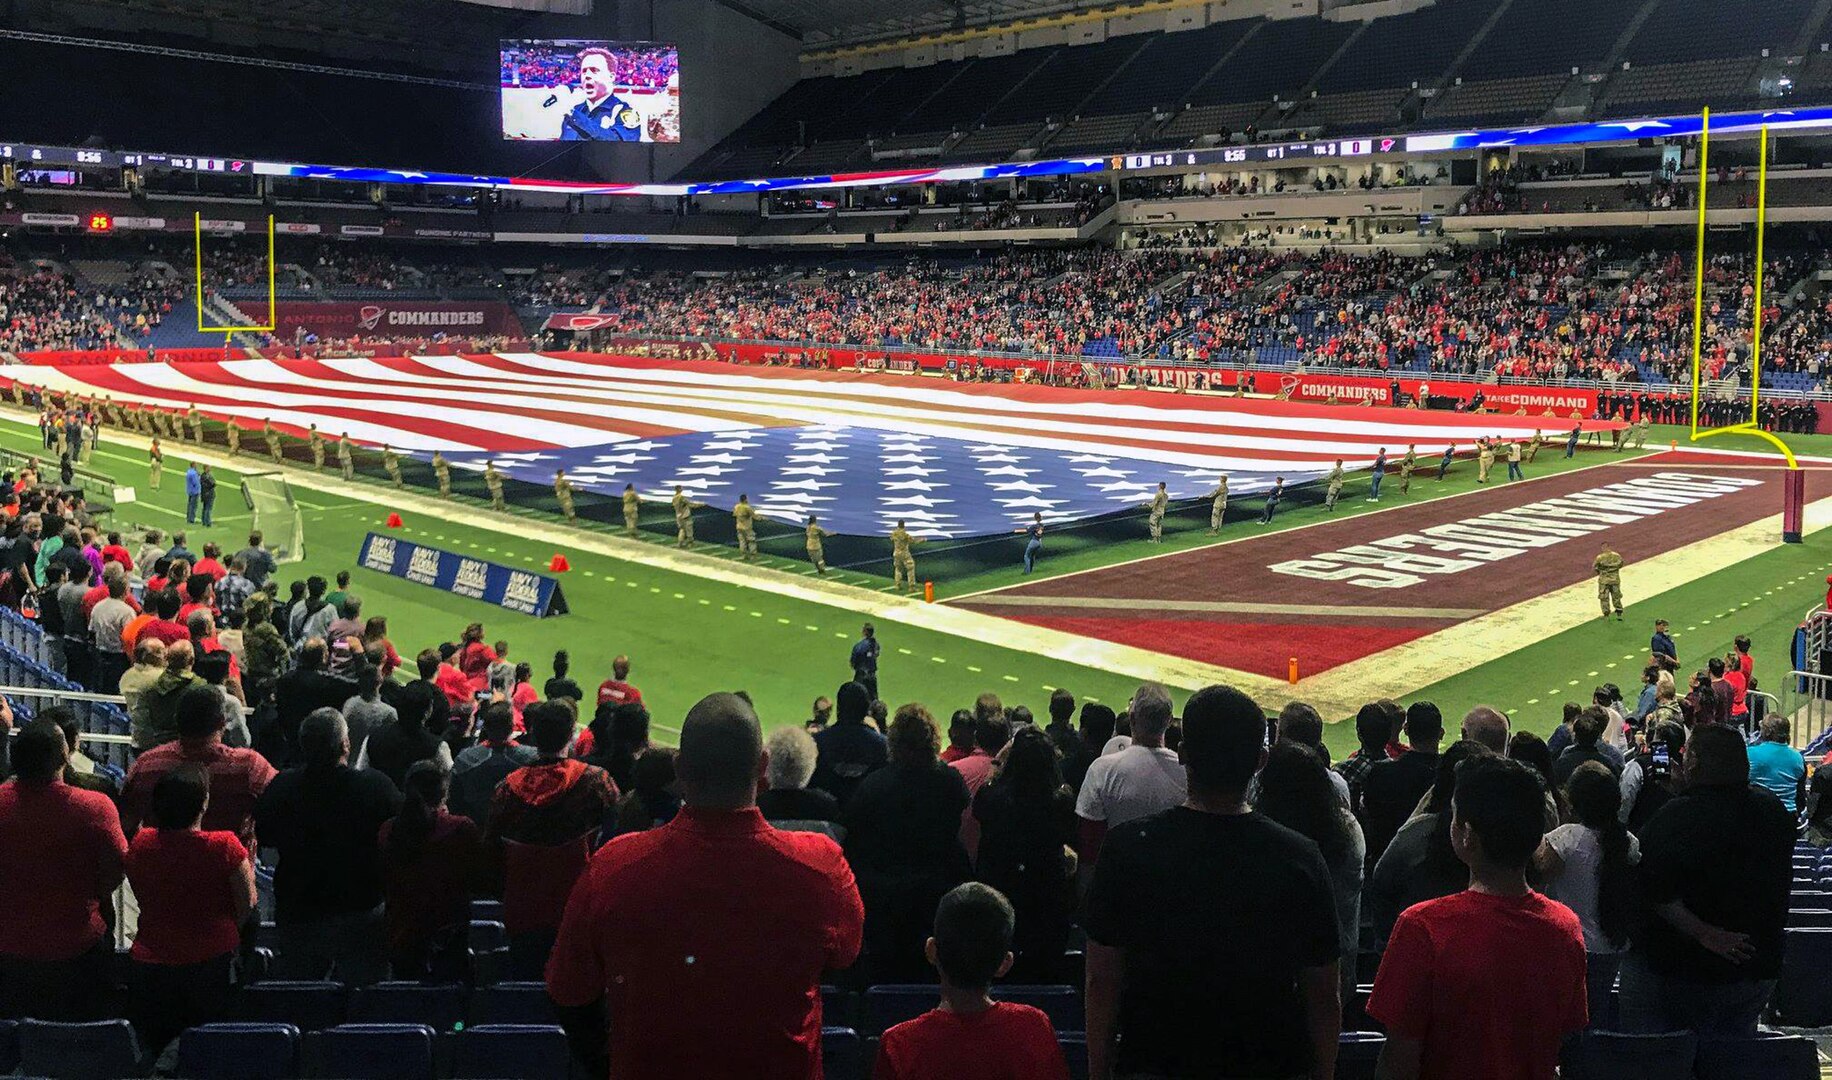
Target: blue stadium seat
9	1046
1606	1055
512	1003
239	1052
441	1008
487	910
1766	1056
373	1052
488	942
1061	1003
1357	1054
102	1050
888	1006
1075	1052
1803	997
843	1054
511	1052
839	1008
309	1006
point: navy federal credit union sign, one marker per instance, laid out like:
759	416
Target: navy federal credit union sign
461	575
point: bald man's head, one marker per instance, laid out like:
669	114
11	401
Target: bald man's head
721	757
1488	727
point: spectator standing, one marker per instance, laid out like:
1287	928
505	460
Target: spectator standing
1662	652
562	684
1776	766
1188	994
1295	790
1587	732
1589	866
106	622
1138	781
969	1034
1488	981
1421	863
1372	730
1716	864
478	769
617	690
1393	788
365	712
849	750
960	737
790	803
236	776
323	818
195	889
1027	831
161	700
258	561
54	945
391	748
991	731
432	860
1097	723
543	818
652	940
903	829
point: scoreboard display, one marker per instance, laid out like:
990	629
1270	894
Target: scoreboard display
1256	154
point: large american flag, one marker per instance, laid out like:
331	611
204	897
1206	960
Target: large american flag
861	451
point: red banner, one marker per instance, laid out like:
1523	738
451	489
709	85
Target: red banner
125	356
398	318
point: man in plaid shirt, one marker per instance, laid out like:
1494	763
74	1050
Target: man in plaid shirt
234	590
1373	727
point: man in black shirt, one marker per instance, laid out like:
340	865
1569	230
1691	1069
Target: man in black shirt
848	749
1587	729
1212	941
323	819
297	693
1716	867
1393	789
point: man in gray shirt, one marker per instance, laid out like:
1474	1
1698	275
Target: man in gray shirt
106	621
257	560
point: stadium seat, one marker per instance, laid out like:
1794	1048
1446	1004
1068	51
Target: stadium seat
1075	1052
239	1052
487	910
1766	1056
1061	1003
1810	900
511	1052
102	1050
488	943
512	1003
839	1008
1357	1054
1811	917
441	1008
310	1006
372	1052
888	1006
1803	996
1606	1055
842	1054
9	1046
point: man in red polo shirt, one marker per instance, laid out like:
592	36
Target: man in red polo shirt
64	852
694	984
617	690
237	775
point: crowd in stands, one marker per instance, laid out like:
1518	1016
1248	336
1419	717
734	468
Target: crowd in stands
1233	885
48	309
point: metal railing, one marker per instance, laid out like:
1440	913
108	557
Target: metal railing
1806	701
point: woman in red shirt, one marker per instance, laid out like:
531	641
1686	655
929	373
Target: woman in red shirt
195	889
432	860
474	657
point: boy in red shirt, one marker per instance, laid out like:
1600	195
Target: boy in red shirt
969	1034
1489	981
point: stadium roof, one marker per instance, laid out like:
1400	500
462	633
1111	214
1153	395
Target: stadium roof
832	23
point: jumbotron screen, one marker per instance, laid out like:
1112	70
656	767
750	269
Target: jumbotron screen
591	91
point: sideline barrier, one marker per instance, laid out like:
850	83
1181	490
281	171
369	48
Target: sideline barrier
461	575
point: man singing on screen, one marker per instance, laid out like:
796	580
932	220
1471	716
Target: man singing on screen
602	116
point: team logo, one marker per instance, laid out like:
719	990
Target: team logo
627	117
369	316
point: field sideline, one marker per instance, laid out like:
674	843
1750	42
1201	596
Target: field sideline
785	650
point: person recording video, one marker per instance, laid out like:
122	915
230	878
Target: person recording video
602	116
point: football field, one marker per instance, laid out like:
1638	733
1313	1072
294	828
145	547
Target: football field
702	621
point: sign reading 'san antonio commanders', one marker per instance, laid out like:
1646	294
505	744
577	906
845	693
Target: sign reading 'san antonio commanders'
398	318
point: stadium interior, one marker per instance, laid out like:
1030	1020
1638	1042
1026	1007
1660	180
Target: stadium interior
1083	263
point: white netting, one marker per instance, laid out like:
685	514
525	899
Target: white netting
270	500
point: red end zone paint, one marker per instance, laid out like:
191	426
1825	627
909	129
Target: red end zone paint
1405	572
1259	648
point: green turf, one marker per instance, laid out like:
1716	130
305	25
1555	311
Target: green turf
687	636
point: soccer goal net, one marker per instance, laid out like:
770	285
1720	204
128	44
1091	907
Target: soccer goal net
276	515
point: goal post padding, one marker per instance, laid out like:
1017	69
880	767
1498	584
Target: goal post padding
276	514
